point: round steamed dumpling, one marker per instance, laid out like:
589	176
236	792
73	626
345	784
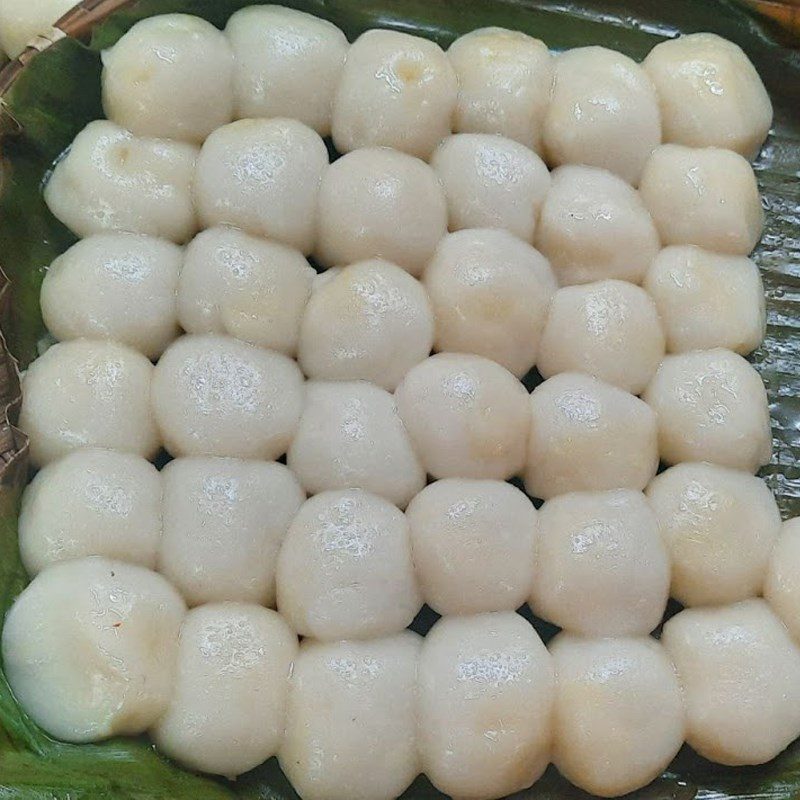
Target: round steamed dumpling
228	706
609	329
467	417
345	570
170	76
396	90
485	705
262	175
473	545
740	674
378	203
89	648
619	716
782	586
88	394
216	396
588	435
604	112
370	321
224	522
351	436
594	226
711	406
118	286
601	566
111	180
22	21
720	526
363	747
710	94
287	64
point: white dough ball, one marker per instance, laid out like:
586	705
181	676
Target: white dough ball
371	321
609	329
217	396
20	22
263	176
782	585
170	76
594	226
91	502
619	716
485	705
363	747
711	406
228	707
467	417
601	566
473	545
604	113
88	393
245	286
89	648
396	90
710	94
351	436
111	180
720	526
491	182
740	674
345	570
118	286
224	522
703	196
287	64
504	83
707	299
378	203
587	435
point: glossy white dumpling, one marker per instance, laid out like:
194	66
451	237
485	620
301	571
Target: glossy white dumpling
378	203
89	648
88	393
170	76
485	705
782	586
594	226
740	674
217	396
91	502
224	522
364	746
111	180
619	716
604	112
287	64
245	286
351	436
20	22
711	406
228	706
601	566
707	299
491	182
588	435
345	570
473	545
263	176
396	90
118	286
704	196
370	321
720	526
609	329
710	94
467	417
504	83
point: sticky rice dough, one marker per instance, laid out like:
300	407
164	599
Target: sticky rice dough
21	22
782	586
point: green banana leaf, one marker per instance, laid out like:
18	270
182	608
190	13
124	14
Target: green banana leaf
59	92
